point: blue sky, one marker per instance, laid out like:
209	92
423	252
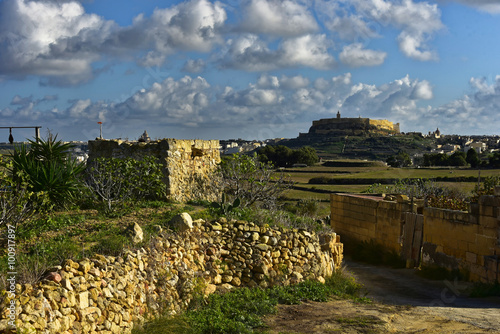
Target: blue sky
252	69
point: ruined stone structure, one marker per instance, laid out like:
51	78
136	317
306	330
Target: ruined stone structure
188	164
337	127
111	295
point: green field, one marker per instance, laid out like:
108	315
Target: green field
301	177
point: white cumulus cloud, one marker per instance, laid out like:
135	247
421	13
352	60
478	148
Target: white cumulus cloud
308	50
250	53
279	18
59	41
191	25
194	66
49	39
355	56
362	20
490	6
475	112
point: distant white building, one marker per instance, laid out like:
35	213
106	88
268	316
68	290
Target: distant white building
448	149
233	150
478	146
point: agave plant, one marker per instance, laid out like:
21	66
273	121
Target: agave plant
49	168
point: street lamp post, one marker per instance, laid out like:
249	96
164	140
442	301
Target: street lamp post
100	129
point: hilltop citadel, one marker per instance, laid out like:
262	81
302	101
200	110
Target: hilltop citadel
339	126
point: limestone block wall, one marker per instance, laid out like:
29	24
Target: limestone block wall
455	240
188	164
366	218
108	294
466	241
385	125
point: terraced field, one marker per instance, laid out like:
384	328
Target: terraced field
359	179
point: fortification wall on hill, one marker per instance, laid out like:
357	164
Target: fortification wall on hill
350	126
385	125
187	164
107	294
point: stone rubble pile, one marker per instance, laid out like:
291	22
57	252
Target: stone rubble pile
109	294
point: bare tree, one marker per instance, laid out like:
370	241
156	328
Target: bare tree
244	177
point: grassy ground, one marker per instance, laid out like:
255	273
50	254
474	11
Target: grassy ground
242	310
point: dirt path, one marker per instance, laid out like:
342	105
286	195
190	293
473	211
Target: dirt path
404	303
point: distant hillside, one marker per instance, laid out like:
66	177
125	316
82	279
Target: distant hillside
364	147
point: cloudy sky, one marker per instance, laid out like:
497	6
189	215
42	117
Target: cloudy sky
251	69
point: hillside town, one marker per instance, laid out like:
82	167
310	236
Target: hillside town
354	132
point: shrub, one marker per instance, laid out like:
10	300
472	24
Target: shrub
17	203
48	168
435	196
304	207
486	188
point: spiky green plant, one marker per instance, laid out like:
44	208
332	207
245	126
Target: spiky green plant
49	168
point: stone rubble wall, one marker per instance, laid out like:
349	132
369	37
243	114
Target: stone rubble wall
108	294
188	165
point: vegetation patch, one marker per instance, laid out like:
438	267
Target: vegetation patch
242	310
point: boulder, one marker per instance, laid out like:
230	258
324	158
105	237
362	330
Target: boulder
137	234
53	276
181	222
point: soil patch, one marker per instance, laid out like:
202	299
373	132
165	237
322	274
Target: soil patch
403	303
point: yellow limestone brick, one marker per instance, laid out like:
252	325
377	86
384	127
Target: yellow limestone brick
486	221
489	232
471	257
485	245
486	210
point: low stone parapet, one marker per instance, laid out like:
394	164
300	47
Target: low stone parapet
106	294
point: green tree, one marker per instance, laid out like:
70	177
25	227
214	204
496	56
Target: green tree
402	159
494	159
457	159
441	159
305	155
48	168
472	158
283	156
